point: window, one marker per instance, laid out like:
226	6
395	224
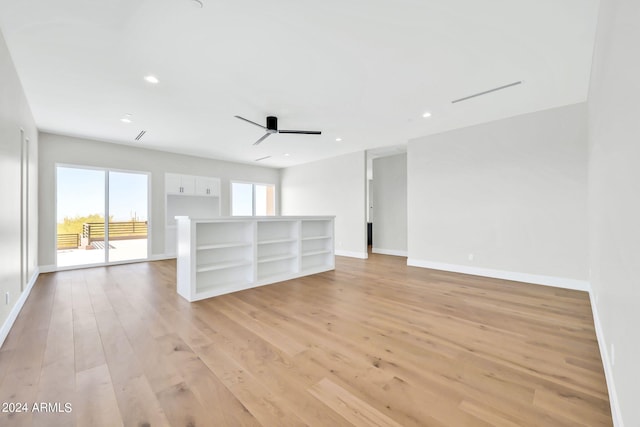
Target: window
249	199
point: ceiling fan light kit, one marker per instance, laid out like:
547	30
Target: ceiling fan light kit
272	127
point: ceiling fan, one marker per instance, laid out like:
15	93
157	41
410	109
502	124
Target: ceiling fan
272	127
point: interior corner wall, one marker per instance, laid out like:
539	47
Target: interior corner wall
334	186
15	115
58	149
508	196
390	205
614	201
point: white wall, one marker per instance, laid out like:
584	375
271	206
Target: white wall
15	115
513	193
62	149
614	199
334	186
390	205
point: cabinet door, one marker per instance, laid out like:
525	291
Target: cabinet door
207	186
172	183
188	184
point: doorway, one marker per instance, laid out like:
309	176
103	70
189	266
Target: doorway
102	216
387	201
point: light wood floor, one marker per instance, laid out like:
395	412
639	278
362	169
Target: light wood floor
373	343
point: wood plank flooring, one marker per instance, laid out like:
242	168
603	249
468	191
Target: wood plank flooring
373	343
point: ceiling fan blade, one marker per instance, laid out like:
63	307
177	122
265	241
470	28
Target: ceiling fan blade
262	139
305	132
249	121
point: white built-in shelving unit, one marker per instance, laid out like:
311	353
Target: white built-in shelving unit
222	255
188	195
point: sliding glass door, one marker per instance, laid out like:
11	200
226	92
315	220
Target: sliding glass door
81	207
85	235
128	219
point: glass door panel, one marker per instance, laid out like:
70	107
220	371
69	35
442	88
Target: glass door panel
80	195
241	199
128	216
265	200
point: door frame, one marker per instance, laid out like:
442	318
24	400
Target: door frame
106	171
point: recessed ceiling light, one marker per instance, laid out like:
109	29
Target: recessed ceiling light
338	139
287	154
152	79
126	118
426	114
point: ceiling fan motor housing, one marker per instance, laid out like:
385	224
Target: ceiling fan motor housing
272	123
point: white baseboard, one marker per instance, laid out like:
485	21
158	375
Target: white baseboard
13	315
52	268
162	257
558	282
608	371
47	268
393	252
351	254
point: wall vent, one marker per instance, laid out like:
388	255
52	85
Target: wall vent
140	135
486	92
262	158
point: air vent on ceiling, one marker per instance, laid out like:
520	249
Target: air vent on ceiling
486	92
262	158
140	135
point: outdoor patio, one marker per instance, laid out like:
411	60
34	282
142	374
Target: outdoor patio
119	250
127	241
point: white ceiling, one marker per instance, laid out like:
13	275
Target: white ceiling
362	70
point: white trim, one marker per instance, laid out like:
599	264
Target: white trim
52	268
393	252
352	254
13	314
558	282
47	268
616	415
162	257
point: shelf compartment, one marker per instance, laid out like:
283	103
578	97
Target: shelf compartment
274	241
220	233
276	258
223	245
316	261
312	253
316	245
312	229
222	265
277	230
277	267
284	249
316	238
216	254
223	280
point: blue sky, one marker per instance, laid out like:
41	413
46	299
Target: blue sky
80	192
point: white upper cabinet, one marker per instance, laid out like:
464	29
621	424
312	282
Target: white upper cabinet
207	186
173	183
189	185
